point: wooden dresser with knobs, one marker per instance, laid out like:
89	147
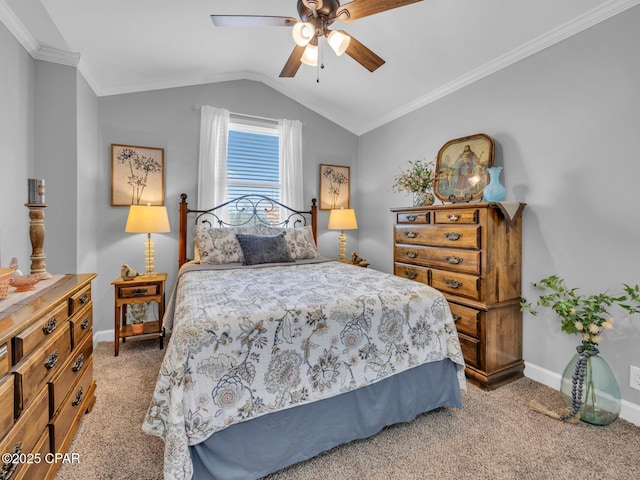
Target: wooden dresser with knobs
46	375
472	253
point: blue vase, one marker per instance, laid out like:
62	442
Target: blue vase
495	191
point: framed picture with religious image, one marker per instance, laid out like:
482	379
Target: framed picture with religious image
461	168
334	187
137	175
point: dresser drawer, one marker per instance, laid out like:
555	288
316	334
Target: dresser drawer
413	217
72	408
460	216
456	283
467	319
6	401
60	385
27	341
26	432
5	359
459	236
40	468
79	299
33	372
138	291
463	261
81	325
470	349
412	272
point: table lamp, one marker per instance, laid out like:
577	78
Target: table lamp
343	219
148	219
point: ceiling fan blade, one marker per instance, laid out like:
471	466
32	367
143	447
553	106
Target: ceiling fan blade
363	55
293	63
252	21
363	8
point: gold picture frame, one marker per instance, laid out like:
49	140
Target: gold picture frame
334	187
461	168
137	175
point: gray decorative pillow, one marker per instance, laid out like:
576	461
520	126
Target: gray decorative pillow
258	249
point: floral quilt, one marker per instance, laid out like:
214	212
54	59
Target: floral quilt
250	341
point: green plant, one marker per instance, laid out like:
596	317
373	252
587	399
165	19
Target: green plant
137	313
418	177
584	315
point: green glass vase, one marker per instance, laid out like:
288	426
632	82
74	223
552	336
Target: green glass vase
600	395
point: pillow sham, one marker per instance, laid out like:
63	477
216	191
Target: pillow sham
259	249
300	240
218	245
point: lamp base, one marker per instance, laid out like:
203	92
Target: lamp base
149	260
342	246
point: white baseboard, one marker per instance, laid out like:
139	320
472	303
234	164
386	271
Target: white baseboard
629	411
102	336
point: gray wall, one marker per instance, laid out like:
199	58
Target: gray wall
565	123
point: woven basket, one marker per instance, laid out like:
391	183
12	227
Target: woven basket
5	276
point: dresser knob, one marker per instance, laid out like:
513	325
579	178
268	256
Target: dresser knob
412	218
411	234
452	236
79	362
410	275
84	298
84	324
453	260
456	318
78	399
52	359
453	217
50	326
452	283
411	253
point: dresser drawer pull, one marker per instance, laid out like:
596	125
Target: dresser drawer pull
412	218
456	318
84	299
79	362
453	236
85	324
453	217
411	234
411	253
138	292
453	260
410	275
11	462
50	326
52	359
78	399
452	283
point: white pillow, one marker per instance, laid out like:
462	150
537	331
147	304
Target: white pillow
219	245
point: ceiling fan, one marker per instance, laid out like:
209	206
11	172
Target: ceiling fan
316	16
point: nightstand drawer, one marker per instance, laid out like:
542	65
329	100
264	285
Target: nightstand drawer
28	340
79	299
138	291
456	284
467	319
412	272
462	236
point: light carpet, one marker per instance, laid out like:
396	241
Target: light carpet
494	436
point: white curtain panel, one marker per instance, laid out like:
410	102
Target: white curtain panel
212	163
291	163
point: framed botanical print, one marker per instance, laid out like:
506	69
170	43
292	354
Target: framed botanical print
137	175
461	168
334	187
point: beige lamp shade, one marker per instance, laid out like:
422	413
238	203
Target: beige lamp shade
343	219
147	219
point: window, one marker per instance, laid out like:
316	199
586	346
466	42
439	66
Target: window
253	160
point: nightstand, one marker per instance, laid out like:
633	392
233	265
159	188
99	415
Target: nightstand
142	289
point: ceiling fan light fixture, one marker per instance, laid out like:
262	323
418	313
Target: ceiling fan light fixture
302	33
310	55
338	41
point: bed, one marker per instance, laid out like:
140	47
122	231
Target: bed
277	354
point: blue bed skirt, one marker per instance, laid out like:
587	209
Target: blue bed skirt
253	449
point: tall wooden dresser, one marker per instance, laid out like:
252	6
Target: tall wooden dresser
46	375
472	253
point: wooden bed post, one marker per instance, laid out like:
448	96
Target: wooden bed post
314	219
182	241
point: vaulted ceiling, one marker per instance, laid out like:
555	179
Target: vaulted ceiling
431	48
